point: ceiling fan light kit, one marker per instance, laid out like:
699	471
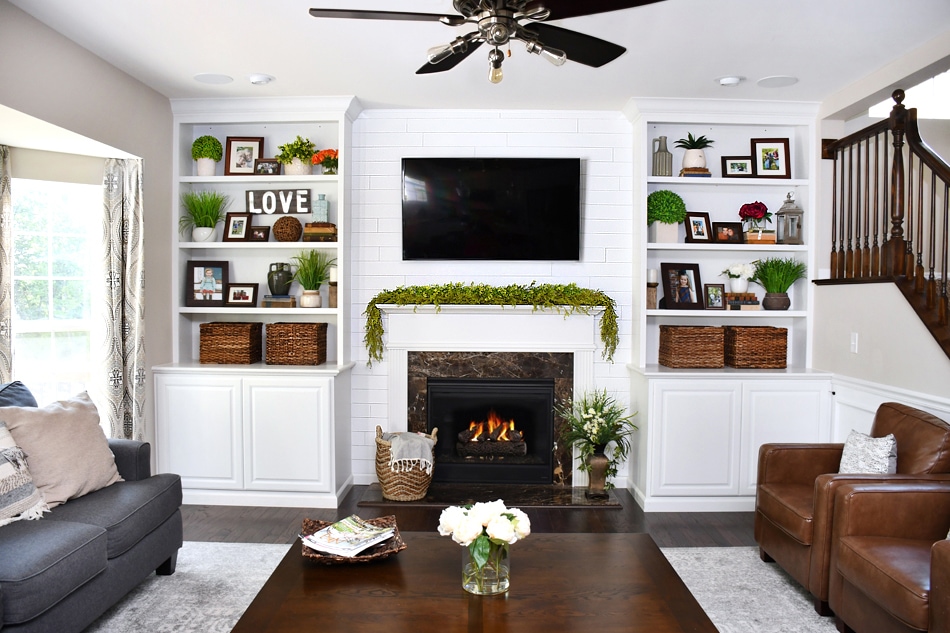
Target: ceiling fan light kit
500	21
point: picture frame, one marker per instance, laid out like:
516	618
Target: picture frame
237	227
672	279
241	153
737	167
715	296
258	234
266	167
199	291
770	158
698	228
728	233
241	295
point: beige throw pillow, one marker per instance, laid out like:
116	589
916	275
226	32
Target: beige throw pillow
67	452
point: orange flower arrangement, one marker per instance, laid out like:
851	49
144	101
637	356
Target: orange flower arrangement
328	159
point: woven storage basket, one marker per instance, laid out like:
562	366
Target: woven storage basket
402	486
756	347
296	343
230	343
691	346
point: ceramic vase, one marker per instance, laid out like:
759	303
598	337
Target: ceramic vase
202	234
738	285
493	577
205	167
694	158
662	158
311	299
597	475
297	167
279	278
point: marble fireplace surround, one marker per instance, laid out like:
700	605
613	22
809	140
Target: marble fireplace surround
498	334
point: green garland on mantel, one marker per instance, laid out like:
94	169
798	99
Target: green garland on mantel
564	298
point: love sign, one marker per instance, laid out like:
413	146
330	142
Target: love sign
279	201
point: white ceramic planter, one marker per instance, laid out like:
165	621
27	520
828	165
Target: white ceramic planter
661	233
738	285
297	167
311	299
694	158
202	234
205	167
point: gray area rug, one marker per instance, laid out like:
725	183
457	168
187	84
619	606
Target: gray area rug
215	582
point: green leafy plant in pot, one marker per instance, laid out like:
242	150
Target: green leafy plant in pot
296	155
665	212
206	151
695	157
204	210
313	270
594	421
777	275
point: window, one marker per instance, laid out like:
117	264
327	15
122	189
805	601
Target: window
56	235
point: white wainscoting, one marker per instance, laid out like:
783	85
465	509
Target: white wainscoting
856	401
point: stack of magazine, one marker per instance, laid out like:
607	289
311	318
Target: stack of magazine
347	537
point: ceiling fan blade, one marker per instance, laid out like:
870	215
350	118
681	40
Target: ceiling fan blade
449	62
580	48
384	15
561	9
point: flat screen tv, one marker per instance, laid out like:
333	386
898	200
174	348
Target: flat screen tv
491	209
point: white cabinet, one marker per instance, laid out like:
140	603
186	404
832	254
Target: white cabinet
697	447
264	438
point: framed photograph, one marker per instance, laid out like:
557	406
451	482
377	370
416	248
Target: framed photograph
240	154
205	284
259	234
237	227
698	228
242	295
715	296
728	232
737	167
682	287
770	158
266	167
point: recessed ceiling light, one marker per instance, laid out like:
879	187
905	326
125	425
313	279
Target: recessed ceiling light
260	79
730	81
777	81
212	78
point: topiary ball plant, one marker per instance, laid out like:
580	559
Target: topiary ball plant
207	147
666	207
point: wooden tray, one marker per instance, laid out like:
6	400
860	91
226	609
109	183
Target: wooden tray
379	551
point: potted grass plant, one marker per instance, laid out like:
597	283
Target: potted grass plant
777	275
204	210
296	156
313	270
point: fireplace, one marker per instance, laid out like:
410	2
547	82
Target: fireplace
492	430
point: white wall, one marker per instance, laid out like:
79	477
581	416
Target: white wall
381	138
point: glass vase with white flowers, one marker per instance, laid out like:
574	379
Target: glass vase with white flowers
486	530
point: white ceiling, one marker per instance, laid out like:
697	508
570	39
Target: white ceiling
675	48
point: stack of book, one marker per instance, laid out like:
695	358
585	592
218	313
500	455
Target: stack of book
695	172
319	232
279	301
347	537
742	301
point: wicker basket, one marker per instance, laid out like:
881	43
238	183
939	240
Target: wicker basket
756	347
296	343
230	343
691	346
401	486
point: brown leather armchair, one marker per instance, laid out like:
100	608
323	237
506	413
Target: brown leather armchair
796	484
890	559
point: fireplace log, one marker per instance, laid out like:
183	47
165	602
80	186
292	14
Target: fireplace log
491	449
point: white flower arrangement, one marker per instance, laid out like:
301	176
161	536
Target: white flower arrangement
481	524
740	271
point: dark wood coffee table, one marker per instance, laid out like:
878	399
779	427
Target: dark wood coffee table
559	582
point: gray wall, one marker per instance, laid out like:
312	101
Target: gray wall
49	77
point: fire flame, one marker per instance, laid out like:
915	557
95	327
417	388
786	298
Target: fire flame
483	431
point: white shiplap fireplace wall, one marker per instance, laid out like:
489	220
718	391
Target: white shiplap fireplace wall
381	138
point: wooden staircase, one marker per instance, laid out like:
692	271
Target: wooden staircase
890	215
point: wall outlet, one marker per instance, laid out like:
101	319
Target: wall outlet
854	342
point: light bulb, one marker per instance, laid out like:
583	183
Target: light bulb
495	74
438	54
553	55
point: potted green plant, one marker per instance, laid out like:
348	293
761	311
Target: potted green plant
665	212
296	156
594	421
204	210
777	275
313	270
695	157
206	151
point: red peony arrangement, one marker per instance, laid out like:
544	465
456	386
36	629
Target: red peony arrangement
328	159
755	212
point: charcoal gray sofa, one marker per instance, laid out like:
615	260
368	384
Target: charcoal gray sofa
63	571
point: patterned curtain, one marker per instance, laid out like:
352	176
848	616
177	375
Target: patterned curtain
124	356
6	271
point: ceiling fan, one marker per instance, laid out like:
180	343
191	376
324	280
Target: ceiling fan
500	21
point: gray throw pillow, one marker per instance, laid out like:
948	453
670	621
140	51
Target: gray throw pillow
871	455
19	498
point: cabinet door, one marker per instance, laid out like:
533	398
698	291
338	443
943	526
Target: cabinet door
288	434
696	438
198	429
781	411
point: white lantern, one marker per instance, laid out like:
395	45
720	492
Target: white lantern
789	222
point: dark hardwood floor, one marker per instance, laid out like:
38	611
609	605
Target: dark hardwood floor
232	524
